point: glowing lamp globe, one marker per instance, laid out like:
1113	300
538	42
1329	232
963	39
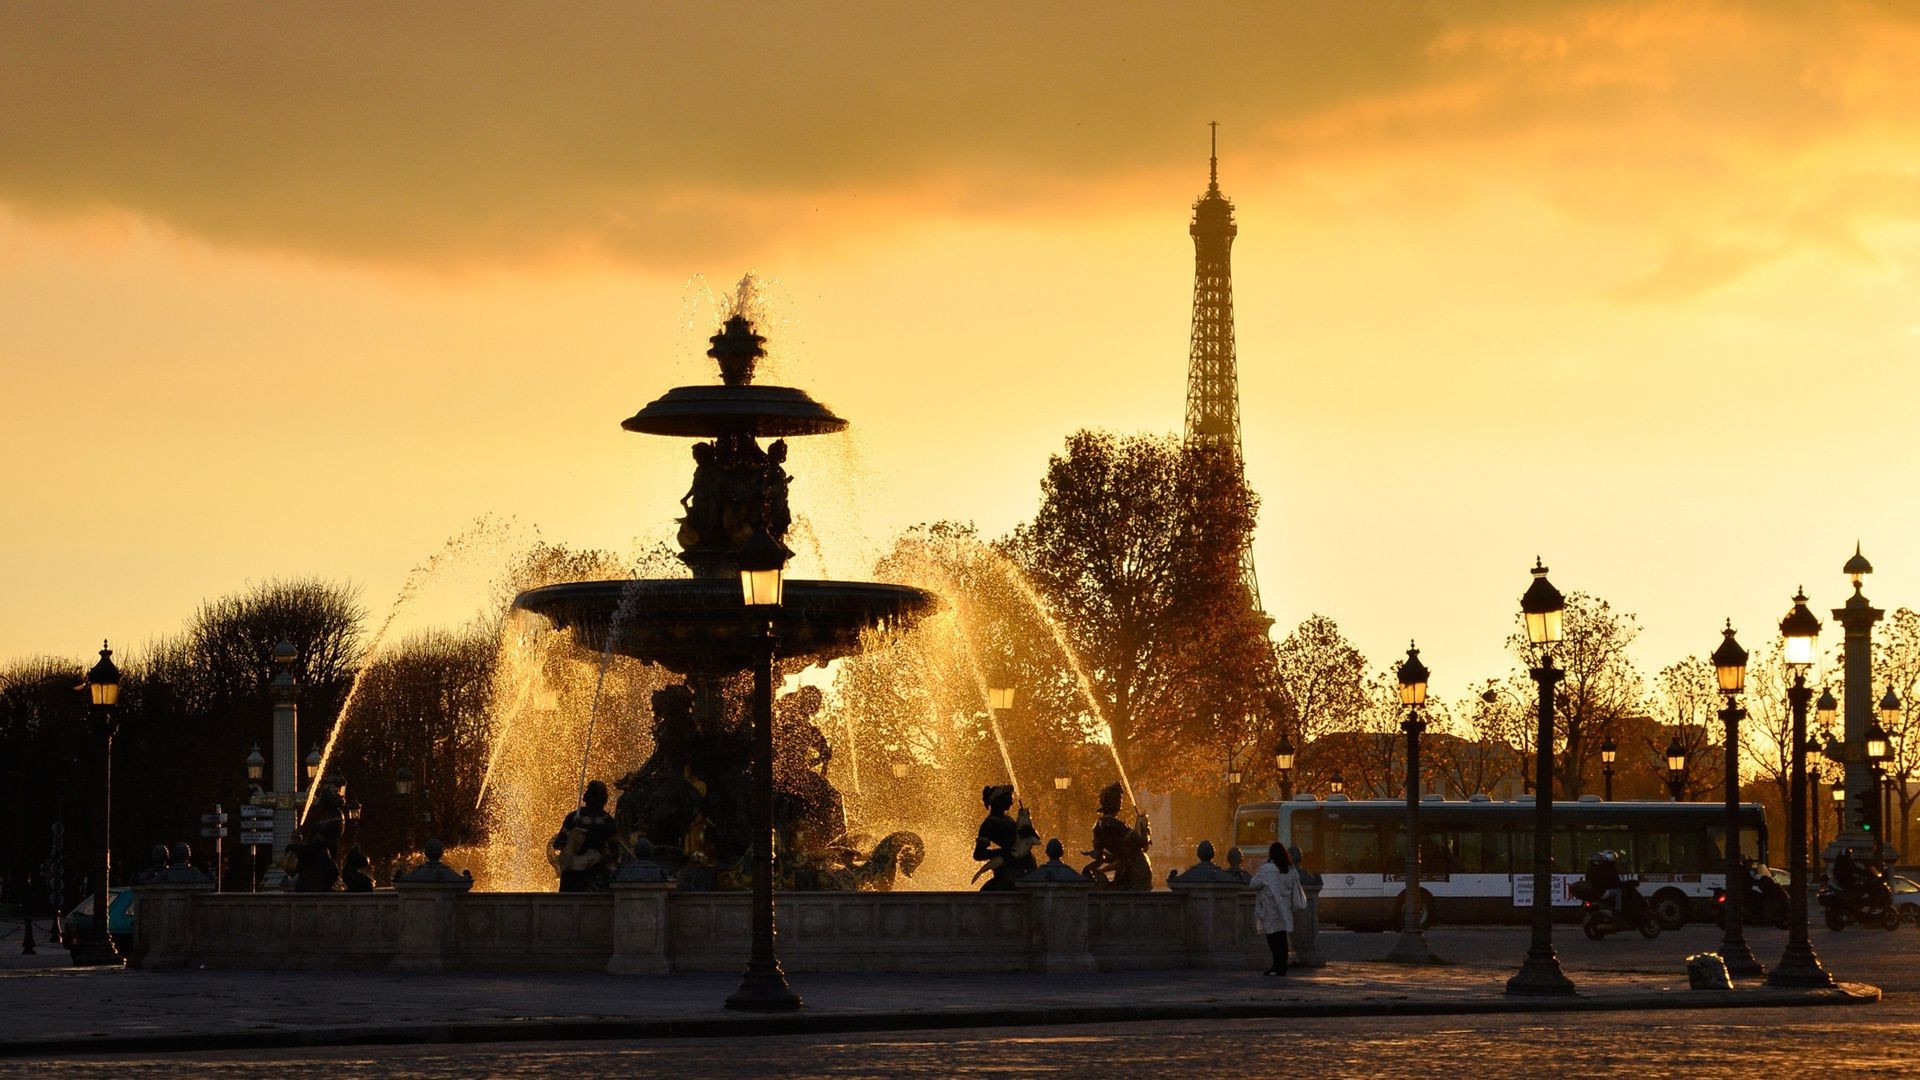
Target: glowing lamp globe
1413	679
103	682
1798	631
1730	663
763	563
1543	606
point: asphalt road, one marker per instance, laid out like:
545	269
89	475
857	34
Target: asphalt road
1882	1039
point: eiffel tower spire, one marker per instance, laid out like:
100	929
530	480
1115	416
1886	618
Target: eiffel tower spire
1213	385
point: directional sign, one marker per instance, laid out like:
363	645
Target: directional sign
213	830
213	819
256	837
256	813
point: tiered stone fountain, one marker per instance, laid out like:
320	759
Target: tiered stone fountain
691	798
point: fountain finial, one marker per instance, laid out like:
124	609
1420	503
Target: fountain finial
738	349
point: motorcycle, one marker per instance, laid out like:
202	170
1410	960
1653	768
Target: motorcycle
1764	902
1602	918
1868	905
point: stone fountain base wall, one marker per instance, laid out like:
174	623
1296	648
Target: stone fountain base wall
653	929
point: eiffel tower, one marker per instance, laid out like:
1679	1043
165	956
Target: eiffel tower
1213	382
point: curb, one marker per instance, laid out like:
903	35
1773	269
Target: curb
825	1023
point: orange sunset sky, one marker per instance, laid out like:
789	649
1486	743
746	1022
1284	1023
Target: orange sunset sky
298	289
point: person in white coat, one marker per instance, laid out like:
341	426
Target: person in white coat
1277	896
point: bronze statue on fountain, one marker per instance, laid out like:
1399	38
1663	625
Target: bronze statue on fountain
691	798
1119	850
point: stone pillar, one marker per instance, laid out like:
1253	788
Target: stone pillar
1860	700
1058	906
428	896
163	925
1217	923
1306	926
286	762
641	891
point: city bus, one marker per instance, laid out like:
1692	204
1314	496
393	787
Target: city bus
1476	855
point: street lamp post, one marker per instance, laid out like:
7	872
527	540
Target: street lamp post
1412	947
1233	791
1825	711
103	689
764	987
1799	965
1540	972
1336	784
403	787
1061	782
1816	774
1608	752
1283	760
1730	667
1878	750
1676	769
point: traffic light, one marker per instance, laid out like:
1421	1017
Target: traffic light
1863	806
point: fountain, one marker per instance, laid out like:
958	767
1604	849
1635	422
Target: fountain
690	798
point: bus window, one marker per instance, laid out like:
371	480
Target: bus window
1693	852
1305	836
1352	848
1254	831
1480	852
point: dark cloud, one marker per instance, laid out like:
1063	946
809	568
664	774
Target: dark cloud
484	132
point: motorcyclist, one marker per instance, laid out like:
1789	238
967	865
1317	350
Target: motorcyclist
1604	875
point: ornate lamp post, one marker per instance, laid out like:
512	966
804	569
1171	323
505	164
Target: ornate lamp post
103	689
1283	760
313	763
403	787
1676	768
1730	667
1336	784
1799	965
256	767
1412	947
1540	972
1816	773
1878	750
764	987
1826	710
1608	752
1061	782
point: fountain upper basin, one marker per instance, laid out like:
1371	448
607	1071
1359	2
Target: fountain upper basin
699	625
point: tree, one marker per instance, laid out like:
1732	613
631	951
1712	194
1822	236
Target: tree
1686	703
1320	686
1897	665
1136	549
1480	758
1599	686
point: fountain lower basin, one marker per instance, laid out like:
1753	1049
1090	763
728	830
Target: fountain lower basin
699	626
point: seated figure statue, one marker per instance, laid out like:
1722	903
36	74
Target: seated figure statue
1119	850
583	851
1004	843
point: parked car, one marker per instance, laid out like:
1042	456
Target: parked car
79	920
1906	898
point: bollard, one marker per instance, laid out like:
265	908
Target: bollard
26	940
1306	927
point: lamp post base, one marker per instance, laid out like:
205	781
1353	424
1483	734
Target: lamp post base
1412	948
1800	967
764	989
1740	959
1540	976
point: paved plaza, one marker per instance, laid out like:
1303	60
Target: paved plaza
536	1024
